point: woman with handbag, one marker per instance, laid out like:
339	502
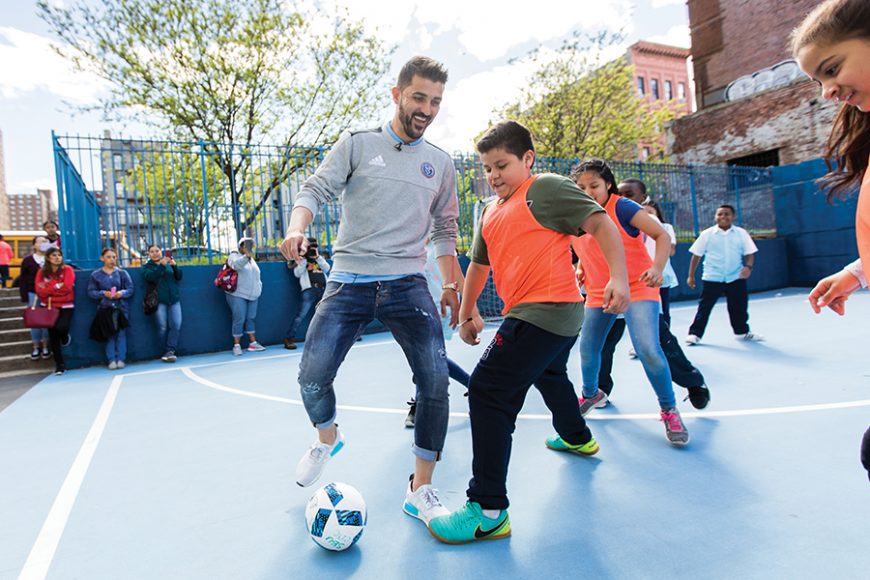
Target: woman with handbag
163	275
55	284
112	287
243	301
30	266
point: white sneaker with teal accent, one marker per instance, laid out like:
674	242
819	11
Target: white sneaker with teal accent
424	503
310	467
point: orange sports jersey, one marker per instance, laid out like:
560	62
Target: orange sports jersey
530	263
862	223
598	272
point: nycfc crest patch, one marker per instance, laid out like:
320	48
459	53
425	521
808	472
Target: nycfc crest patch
427	170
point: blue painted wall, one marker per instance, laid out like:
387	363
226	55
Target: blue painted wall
820	237
205	315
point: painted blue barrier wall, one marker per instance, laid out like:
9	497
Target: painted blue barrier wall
205	315
820	237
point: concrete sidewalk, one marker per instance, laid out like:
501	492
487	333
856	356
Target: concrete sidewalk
13	387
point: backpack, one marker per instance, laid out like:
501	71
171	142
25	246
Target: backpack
149	305
227	279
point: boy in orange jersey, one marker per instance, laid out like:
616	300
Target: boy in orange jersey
524	237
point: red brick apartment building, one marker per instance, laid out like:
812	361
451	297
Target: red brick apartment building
661	75
755	107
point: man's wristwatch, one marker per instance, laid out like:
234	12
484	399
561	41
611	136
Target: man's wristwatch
451	286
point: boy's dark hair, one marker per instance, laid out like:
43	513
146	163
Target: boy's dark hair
312	242
507	135
728	207
635	181
422	66
57	225
600	167
108	249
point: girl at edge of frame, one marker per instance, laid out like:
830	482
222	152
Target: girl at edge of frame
832	46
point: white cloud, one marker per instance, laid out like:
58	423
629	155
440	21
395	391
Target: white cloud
28	64
675	36
489	30
31	186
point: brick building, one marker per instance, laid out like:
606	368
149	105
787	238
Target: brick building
755	107
29	211
5	223
661	75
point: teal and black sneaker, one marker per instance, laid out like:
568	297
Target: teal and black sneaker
556	443
468	524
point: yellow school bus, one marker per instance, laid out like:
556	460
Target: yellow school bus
21	241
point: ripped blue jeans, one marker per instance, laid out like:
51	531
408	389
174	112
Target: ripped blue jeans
406	308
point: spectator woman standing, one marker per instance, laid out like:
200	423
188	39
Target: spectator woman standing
112	287
243	302
56	282
162	271
30	266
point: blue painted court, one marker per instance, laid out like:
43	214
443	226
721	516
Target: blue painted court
186	471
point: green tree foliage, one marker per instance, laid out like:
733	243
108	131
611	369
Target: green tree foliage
578	106
227	71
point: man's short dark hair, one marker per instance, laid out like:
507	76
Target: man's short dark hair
312	242
635	181
728	207
507	135
422	66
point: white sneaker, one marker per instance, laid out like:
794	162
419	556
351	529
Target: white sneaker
311	465
112	365
749	336
120	364
692	339
237	350
424	503
256	347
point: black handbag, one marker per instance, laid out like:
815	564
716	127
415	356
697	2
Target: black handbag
151	301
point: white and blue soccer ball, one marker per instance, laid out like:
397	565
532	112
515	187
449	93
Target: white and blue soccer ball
336	516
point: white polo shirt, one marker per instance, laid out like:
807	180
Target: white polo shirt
723	252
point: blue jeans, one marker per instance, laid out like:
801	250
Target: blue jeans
406	308
169	316
244	312
116	346
642	320
37	334
310	298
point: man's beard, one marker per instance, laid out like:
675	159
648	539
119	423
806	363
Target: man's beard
408	123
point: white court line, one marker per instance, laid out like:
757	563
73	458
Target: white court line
490	327
541	417
45	547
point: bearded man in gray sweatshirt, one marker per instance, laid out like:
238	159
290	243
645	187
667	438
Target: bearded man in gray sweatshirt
398	190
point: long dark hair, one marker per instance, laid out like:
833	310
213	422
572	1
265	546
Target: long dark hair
46	267
848	147
656	207
600	167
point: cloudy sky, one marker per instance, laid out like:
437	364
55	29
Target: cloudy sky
476	40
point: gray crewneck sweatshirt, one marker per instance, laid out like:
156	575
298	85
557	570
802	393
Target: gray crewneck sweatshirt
393	198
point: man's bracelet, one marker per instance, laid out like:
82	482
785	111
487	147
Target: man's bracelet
466	321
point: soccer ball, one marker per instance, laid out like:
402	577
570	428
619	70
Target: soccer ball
336	516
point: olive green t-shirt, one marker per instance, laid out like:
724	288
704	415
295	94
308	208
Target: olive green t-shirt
557	204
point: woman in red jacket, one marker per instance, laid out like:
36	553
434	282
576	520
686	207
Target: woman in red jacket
56	281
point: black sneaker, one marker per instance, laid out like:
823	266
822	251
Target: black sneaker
59	370
46	353
412	414
699	396
35	354
169	357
